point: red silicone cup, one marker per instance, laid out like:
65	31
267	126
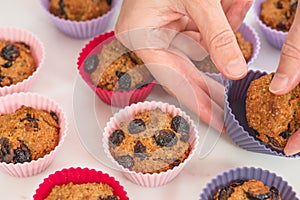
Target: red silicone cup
78	176
38	53
114	98
10	103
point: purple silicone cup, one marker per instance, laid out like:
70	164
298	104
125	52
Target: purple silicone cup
247	173
274	37
250	35
82	29
235	117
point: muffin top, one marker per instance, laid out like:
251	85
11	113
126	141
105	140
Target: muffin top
278	14
117	69
27	134
274	117
251	189
206	65
16	62
152	142
79	10
91	191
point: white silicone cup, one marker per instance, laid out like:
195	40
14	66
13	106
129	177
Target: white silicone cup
126	114
38	53
274	37
82	29
10	103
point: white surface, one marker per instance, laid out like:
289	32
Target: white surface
59	81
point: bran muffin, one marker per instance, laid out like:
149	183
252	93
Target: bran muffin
278	14
117	69
206	65
16	62
91	191
79	10
249	189
152	142
27	134
274	117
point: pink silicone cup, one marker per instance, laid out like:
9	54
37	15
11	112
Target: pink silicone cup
246	173
38	53
82	29
235	117
10	103
147	179
274	37
78	176
114	98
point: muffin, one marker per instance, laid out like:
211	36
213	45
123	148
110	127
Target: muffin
278	14
16	62
278	116
80	19
79	10
248	183
248	42
80	183
32	130
21	58
150	142
274	18
117	75
249	108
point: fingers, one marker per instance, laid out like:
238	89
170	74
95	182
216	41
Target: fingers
292	147
218	37
288	72
183	81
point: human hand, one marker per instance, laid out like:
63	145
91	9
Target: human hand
287	75
166	33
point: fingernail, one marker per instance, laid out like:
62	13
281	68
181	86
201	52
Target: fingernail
235	69
278	83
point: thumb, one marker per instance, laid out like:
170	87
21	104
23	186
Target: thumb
293	145
218	37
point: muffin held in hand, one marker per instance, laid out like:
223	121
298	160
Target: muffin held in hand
152	142
278	14
91	191
27	134
16	62
274	117
117	69
79	10
247	189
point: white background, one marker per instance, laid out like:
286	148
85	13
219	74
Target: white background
59	80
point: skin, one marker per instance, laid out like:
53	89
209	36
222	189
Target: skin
201	27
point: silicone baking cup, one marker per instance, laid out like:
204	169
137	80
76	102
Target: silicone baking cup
274	37
114	98
81	29
37	51
247	173
147	179
9	104
78	176
235	116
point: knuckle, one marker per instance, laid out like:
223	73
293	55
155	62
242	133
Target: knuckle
222	39
291	51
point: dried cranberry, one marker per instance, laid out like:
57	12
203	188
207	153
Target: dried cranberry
140	150
31	123
180	125
279	5
90	64
274	142
6	150
8	64
225	193
284	135
293	6
165	138
236	183
136	126
54	116
258	196
281	26
126	161
275	193
5	81
22	154
112	197
10	52
109	2
124	82
61	5
116	138
175	163
24	44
